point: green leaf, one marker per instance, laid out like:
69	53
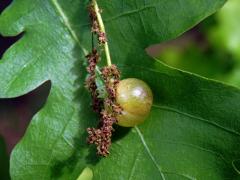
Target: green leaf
86	174
193	129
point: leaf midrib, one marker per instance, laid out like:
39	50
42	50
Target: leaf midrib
67	24
154	160
149	152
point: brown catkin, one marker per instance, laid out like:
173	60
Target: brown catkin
107	108
101	136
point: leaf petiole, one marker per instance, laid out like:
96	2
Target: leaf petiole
102	28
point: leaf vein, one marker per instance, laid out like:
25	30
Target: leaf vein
197	118
55	142
134	166
66	23
149	152
131	12
197	147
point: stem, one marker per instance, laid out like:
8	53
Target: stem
98	70
102	28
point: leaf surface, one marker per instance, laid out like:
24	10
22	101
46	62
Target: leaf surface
193	129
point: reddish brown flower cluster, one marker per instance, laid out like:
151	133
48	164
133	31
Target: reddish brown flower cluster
95	25
107	108
101	136
93	59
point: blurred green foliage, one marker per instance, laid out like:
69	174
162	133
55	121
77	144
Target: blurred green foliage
212	49
226	34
